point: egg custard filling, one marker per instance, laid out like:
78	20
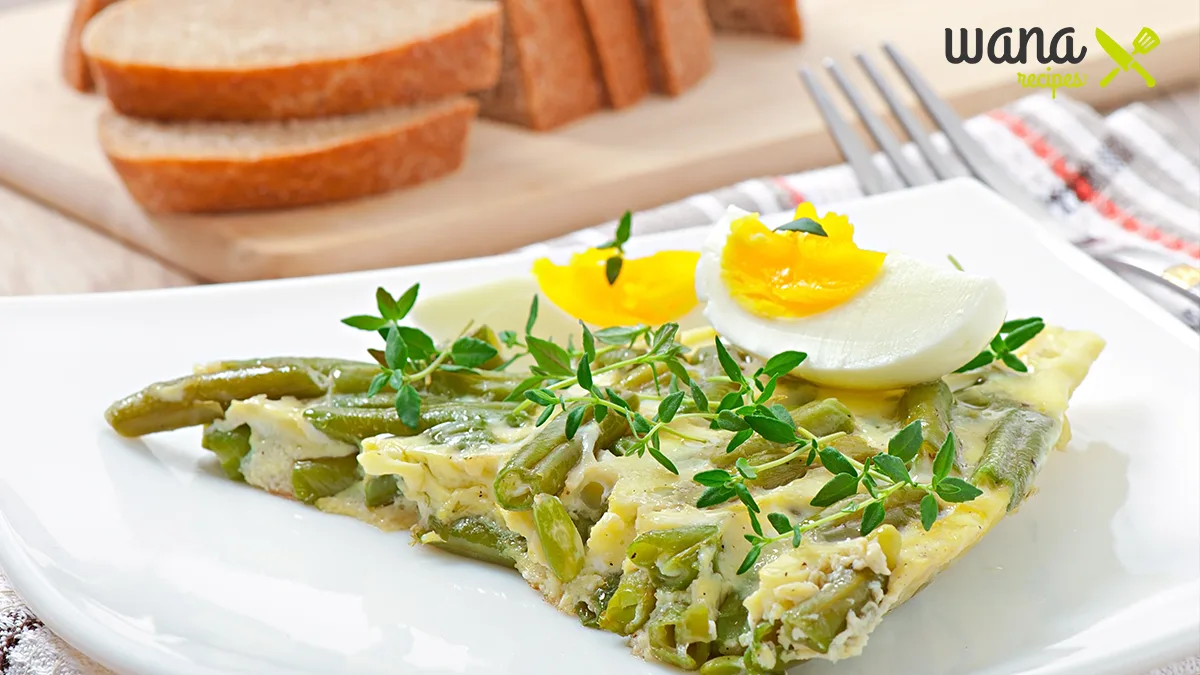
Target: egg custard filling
712	505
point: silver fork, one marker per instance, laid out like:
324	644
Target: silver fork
1173	288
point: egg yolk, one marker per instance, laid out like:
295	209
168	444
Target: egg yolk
795	274
651	290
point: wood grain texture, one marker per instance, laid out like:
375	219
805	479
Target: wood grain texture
750	117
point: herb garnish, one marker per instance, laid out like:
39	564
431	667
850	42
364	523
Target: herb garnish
881	475
612	266
1012	335
806	225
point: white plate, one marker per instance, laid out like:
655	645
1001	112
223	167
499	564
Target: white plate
141	555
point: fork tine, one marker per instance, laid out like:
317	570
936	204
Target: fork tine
976	158
852	148
941	168
883	136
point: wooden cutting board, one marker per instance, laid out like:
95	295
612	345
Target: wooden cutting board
751	117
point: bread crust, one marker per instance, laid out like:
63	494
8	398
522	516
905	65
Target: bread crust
764	17
74	63
462	60
617	40
550	76
415	151
680	37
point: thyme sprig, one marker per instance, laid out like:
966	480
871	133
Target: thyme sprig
1012	335
880	476
612	266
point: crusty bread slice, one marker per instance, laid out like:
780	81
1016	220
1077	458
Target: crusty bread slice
680	38
549	75
767	17
617	38
278	59
74	63
231	166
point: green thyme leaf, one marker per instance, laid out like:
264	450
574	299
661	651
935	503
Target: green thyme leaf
1013	362
893	467
378	383
663	338
728	421
907	443
396	351
872	518
768	390
420	345
658	455
544	416
779	522
743	467
743	494
836	462
365	322
983	359
750	559
589	342
624	228
612	269
945	459
781	413
729	401
955	490
614	397
754	522
797	536
806	225
728	364
640	424
471	352
386	304
717	494
1014	324
669	406
550	357
679	371
584	374
619	335
408	406
712	478
784	363
954	261
839	487
574	419
525	385
542	397
699	398
1023	334
533	315
396	380
929	511
771	428
405	302
738	438
508	338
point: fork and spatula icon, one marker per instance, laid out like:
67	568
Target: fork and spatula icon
1145	41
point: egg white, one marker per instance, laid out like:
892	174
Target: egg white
915	322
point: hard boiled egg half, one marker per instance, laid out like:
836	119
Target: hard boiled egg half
867	320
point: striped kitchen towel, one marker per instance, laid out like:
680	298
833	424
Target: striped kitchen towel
1126	185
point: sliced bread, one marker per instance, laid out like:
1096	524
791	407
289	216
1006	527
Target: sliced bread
617	38
74	63
231	166
280	59
680	38
549	75
767	17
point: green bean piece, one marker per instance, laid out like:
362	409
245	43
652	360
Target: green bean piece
903	508
354	424
974	396
561	543
589	611
486	385
539	466
203	397
623	446
614	426
313	479
678	634
486	334
855	447
724	665
631	604
819	417
929	404
822	616
672	557
335	375
616	356
732	624
824	417
1015	450
230	446
478	538
380	490
381	400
